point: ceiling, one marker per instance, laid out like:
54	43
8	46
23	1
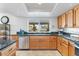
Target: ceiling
44	7
36	9
48	9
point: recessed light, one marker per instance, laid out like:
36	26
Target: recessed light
39	3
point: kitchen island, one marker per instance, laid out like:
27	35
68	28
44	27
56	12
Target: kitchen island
8	48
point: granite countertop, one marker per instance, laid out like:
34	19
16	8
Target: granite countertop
6	44
72	40
37	34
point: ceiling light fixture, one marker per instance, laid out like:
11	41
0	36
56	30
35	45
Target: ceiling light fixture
39	3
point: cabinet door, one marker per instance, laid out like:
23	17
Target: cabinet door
34	42
15	37
71	50
63	21
44	42
59	44
64	49
76	16
34	45
52	42
69	18
59	22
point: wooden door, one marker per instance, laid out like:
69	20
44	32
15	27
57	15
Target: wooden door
76	16
69	19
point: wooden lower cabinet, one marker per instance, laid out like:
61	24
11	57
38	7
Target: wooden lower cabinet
15	37
64	47
53	42
42	42
71	50
52	45
59	48
34	44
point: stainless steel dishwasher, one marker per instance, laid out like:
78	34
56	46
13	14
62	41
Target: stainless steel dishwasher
23	42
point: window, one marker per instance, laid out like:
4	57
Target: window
39	27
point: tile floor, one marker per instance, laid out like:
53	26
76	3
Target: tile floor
37	53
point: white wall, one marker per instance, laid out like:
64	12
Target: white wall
53	25
18	23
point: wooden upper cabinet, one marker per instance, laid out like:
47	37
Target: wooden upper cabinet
59	22
69	19
76	16
63	21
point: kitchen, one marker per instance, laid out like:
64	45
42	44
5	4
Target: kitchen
40	29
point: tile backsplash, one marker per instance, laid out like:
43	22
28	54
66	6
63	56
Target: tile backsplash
71	30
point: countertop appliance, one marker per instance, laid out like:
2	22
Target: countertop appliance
76	51
23	42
